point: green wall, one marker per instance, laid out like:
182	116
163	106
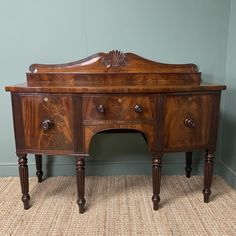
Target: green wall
57	31
228	155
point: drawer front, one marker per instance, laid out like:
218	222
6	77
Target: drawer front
124	108
187	121
48	122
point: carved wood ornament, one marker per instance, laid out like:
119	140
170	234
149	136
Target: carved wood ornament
114	58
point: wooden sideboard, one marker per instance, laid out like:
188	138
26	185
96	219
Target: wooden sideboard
61	107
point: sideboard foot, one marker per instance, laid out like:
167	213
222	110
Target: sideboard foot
208	173
156	199
25	199
24	179
81	204
80	178
39	172
156	180
188	168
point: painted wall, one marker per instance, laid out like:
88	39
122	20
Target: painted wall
59	31
228	155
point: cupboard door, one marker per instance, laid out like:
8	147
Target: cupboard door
187	121
47	121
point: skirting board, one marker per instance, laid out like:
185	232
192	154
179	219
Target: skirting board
121	168
104	168
227	173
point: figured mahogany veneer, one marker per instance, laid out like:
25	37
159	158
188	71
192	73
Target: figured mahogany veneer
47	117
195	112
61	107
119	107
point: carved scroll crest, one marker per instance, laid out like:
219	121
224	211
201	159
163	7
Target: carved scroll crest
114	58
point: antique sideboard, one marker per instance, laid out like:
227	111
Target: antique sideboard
61	107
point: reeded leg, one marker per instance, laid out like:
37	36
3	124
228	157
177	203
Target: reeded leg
80	177
188	167
39	172
24	179
156	179
208	173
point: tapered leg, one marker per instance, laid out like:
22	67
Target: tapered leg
80	177
188	167
39	172
208	173
24	179
156	180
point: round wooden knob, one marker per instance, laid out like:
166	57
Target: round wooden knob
46	124
138	108
189	122
101	109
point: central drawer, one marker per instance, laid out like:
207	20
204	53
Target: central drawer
119	107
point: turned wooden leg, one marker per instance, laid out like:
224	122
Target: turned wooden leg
188	167
208	173
80	177
156	180
24	179
39	172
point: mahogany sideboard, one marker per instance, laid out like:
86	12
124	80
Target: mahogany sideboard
62	106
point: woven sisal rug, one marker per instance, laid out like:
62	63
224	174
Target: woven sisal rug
118	205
